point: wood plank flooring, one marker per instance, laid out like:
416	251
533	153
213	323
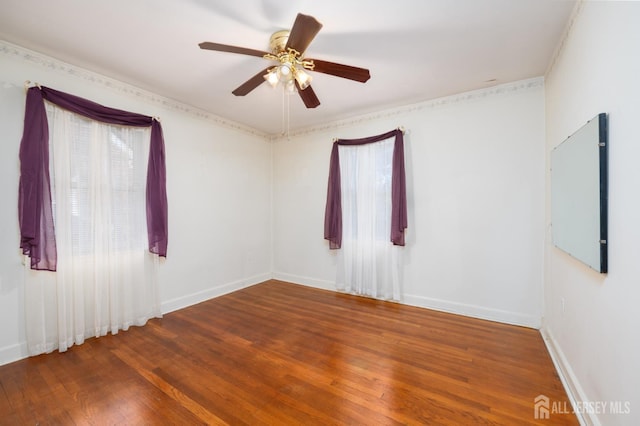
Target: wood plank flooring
278	353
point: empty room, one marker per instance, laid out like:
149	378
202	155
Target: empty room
267	212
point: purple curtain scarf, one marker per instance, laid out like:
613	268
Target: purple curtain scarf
37	236
333	209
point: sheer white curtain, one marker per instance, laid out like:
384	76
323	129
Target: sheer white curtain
106	279
368	263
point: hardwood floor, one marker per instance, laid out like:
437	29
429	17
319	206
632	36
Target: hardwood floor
279	353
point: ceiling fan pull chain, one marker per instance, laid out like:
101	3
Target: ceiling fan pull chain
283	128
288	113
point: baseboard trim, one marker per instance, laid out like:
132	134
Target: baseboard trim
472	311
13	353
568	378
210	293
309	282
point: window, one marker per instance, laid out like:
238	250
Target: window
101	171
366	213
365	172
106	278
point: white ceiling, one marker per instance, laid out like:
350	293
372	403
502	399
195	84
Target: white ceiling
416	50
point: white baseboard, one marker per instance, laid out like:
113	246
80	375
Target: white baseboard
473	311
310	282
13	353
568	378
210	293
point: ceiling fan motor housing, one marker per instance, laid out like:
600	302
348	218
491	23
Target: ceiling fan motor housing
278	41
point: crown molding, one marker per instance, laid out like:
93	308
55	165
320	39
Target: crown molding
44	61
575	13
502	89
38	59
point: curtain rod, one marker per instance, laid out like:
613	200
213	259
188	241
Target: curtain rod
28	85
401	128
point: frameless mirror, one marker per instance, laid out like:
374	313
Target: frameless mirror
579	175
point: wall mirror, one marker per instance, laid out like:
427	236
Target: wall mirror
579	194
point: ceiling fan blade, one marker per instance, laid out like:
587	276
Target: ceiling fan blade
302	33
308	96
339	70
251	84
207	45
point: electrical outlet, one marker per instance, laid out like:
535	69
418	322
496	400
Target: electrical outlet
562	304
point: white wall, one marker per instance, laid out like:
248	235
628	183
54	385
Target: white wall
218	185
475	176
596	338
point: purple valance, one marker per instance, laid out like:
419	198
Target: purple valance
333	209
37	236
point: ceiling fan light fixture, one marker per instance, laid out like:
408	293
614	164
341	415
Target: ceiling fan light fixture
285	72
272	77
303	78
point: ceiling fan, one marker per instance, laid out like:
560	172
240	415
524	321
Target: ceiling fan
287	49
